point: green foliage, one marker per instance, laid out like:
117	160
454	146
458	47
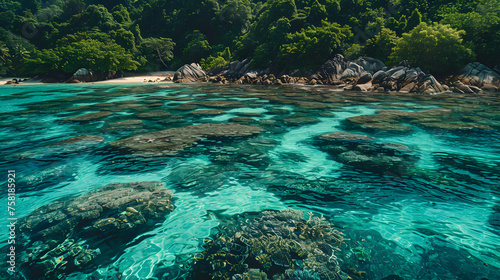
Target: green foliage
482	27
157	51
4	59
42	62
380	46
317	13
311	47
414	20
96	55
220	59
437	48
281	33
197	47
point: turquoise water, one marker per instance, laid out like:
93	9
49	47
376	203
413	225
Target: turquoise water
438	219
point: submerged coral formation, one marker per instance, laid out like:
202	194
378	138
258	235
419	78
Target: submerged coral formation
273	245
175	140
67	235
363	152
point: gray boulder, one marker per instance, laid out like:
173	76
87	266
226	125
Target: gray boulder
238	68
371	65
367	77
478	74
379	77
189	73
332	69
82	75
353	71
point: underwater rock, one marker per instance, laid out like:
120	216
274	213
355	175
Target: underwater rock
79	141
440	118
218	104
153	114
379	122
247	152
88	117
175	140
454	126
128	123
47	177
71	145
201	178
300	120
68	235
272	245
208	112
246	120
494	219
345	137
363	152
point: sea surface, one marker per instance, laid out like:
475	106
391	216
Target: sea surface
438	218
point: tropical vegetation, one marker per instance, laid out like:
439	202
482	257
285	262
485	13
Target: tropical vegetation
440	36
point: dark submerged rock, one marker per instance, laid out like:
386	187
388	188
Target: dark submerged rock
175	140
75	234
88	117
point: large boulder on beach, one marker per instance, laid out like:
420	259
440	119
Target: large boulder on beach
478	74
189	73
332	70
353	71
369	64
83	75
405	79
238	68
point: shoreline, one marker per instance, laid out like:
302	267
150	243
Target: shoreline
150	77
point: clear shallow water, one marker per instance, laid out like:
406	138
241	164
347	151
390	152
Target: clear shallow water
437	220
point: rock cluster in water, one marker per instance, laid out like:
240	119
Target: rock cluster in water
273	245
75	234
174	140
363	152
392	120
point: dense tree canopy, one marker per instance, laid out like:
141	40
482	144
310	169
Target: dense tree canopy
436	47
37	36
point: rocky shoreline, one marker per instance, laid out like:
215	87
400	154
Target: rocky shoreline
362	74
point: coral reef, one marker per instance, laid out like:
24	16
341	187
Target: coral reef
69	235
273	245
363	152
175	140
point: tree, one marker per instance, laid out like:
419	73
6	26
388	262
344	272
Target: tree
380	46
158	50
311	47
414	20
197	48
97	56
437	48
42	61
482	27
317	13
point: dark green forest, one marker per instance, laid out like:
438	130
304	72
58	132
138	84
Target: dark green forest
440	36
